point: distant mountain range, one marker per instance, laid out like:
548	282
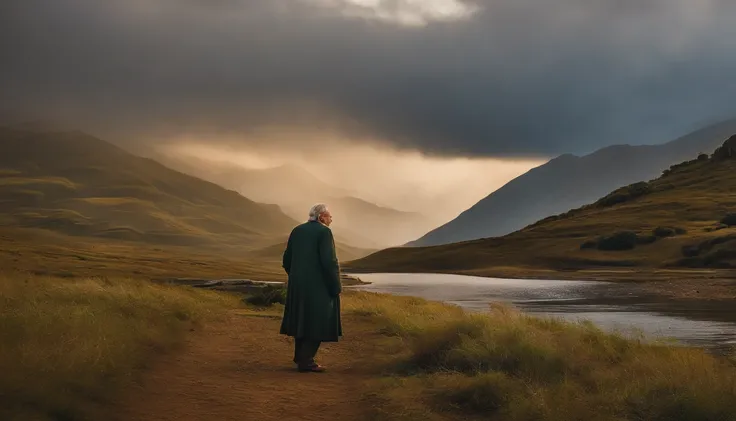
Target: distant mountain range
686	218
570	181
357	222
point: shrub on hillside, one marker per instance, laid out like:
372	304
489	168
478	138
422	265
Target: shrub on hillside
668	231
268	296
724	258
690	251
719	252
645	239
685	164
729	220
623	240
726	151
716	227
590	244
624	194
707	245
664	232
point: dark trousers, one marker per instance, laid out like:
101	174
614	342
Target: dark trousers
304	351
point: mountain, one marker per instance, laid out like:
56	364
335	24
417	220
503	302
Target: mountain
570	181
72	183
357	222
382	226
684	218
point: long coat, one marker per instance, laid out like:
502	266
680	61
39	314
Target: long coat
312	309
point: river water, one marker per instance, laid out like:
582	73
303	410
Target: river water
611	306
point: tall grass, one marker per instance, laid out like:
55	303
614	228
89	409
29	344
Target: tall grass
67	345
509	366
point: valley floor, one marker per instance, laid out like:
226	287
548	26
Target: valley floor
135	350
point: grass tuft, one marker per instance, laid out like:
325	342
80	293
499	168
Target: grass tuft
267	296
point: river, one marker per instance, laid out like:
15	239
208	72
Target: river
609	305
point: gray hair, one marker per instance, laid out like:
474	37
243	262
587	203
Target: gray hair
316	211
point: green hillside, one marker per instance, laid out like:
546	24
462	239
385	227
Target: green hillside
679	220
75	184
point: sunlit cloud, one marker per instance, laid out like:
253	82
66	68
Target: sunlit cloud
402	12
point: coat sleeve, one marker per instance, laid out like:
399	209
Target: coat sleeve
330	265
286	261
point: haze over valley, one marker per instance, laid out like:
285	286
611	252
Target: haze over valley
379	198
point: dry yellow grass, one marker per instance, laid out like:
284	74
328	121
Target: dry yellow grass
69	345
40	252
509	366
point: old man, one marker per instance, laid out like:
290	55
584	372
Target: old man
312	310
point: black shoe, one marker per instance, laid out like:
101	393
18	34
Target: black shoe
314	368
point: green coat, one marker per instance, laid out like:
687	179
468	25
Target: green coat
312	309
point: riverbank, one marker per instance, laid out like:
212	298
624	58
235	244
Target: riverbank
610	305
151	352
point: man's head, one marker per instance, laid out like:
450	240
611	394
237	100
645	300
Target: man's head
320	213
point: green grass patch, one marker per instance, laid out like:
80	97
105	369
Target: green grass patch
69	345
509	366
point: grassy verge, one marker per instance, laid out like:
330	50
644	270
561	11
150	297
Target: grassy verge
509	366
69	345
46	254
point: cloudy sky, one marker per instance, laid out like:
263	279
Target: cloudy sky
496	80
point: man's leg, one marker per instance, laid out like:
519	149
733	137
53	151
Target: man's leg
308	351
298	344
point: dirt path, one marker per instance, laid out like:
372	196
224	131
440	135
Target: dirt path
241	369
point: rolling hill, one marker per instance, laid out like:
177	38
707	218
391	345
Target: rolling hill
686	218
570	181
72	183
357	222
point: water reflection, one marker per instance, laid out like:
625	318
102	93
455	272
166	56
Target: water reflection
609	305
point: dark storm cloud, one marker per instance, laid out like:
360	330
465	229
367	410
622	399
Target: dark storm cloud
516	77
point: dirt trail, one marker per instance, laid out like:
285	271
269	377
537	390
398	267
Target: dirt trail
241	369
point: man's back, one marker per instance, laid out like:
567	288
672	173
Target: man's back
310	259
304	247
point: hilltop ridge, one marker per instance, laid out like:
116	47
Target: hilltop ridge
570	181
76	184
684	218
